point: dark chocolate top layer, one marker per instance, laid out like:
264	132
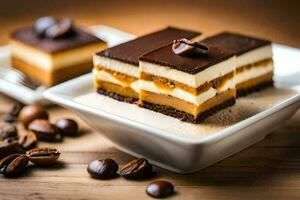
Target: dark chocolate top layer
192	65
236	42
129	52
79	38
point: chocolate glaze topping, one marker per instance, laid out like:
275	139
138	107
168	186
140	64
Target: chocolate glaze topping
29	37
164	56
129	52
235	42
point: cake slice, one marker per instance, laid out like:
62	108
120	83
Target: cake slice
189	88
53	50
116	69
254	60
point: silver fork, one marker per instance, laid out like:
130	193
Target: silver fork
17	77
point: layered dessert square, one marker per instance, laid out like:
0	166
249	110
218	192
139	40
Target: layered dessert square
189	88
116	69
54	50
254	60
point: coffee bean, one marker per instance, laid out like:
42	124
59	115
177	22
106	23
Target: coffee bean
8	130
28	141
16	109
42	24
45	131
7	148
160	189
13	165
67	127
43	156
103	169
10	119
10	139
188	48
137	169
61	28
6	161
32	112
14	113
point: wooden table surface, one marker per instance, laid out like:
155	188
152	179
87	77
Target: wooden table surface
268	170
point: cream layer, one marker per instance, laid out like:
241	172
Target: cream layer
115	65
186	96
193	80
254	56
100	75
254	72
178	93
51	62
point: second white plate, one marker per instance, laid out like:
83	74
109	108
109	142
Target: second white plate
28	96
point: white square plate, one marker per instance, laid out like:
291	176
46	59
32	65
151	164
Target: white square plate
180	146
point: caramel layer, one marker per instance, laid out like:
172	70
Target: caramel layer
54	77
167	84
263	63
119	76
111	87
182	105
255	81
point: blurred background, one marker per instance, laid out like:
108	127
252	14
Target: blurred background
273	19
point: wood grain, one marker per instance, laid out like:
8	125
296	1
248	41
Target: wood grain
267	170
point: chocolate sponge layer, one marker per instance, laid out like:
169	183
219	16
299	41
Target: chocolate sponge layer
183	116
116	96
256	88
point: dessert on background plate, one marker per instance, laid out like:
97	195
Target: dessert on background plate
254	70
187	80
53	50
116	70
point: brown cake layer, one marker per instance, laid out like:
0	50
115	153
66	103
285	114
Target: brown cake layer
255	84
124	78
235	42
54	77
262	63
168	84
118	89
184	106
117	96
79	38
183	116
129	52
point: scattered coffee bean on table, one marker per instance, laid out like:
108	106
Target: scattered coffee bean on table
7	148
5	161
28	141
103	169
137	169
43	156
14	113
67	127
32	112
45	131
160	189
8	130
13	165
